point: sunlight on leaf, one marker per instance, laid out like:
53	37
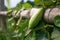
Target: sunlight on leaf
27	6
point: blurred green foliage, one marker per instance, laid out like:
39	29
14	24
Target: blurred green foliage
42	31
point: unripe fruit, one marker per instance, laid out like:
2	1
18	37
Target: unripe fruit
36	18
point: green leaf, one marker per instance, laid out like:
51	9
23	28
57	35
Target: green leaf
41	35
57	21
27	6
58	2
43	2
2	36
37	2
58	38
23	26
41	25
55	33
10	25
18	7
31	36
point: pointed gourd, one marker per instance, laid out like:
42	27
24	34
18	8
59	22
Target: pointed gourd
36	18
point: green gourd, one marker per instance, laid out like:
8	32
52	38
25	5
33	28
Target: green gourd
34	20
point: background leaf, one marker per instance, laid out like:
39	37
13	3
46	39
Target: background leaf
57	21
27	5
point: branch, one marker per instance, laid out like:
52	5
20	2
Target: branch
49	14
